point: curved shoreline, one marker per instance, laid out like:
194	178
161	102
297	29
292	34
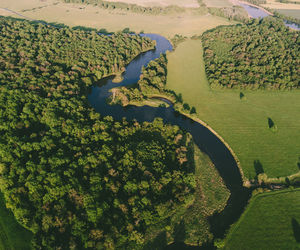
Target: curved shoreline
246	182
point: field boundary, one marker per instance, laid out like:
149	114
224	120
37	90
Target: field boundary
235	226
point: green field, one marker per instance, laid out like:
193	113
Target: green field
291	13
12	235
271	221
187	24
242	122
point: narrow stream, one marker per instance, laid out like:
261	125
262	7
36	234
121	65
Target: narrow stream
203	137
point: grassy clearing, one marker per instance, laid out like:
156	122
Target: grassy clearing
218	3
116	20
12	234
291	13
271	221
241	118
273	4
149	3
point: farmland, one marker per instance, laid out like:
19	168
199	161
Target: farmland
242	122
264	225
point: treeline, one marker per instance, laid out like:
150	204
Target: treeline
287	18
155	10
152	84
256	2
263	54
288	1
236	13
76	179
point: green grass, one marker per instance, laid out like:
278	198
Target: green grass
242	122
291	13
271	221
12	235
187	24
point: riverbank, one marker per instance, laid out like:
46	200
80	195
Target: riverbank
237	2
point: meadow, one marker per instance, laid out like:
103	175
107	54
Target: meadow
241	118
264	225
187	24
146	3
290	12
273	4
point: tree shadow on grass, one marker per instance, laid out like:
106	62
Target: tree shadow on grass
298	163
258	167
296	229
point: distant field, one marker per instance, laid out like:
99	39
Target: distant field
270	222
12	235
115	20
291	13
149	3
218	3
277	5
243	123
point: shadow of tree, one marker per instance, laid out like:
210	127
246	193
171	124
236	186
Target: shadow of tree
159	242
298	163
242	95
296	229
179	233
258	167
271	123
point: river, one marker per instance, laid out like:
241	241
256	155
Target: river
203	137
255	12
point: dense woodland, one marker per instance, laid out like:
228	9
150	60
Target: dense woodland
74	178
262	54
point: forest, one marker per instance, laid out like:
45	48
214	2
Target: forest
262	54
75	179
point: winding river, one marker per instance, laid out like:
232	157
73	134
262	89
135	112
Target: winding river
203	137
255	12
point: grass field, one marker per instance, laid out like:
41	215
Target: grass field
186	3
291	13
12	235
243	123
114	20
273	4
271	221
218	3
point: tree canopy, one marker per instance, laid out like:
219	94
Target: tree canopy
74	178
263	54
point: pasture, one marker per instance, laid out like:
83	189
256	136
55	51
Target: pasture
241	118
150	3
271	221
290	12
187	24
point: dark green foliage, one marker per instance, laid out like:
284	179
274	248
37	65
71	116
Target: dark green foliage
263	54
75	179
